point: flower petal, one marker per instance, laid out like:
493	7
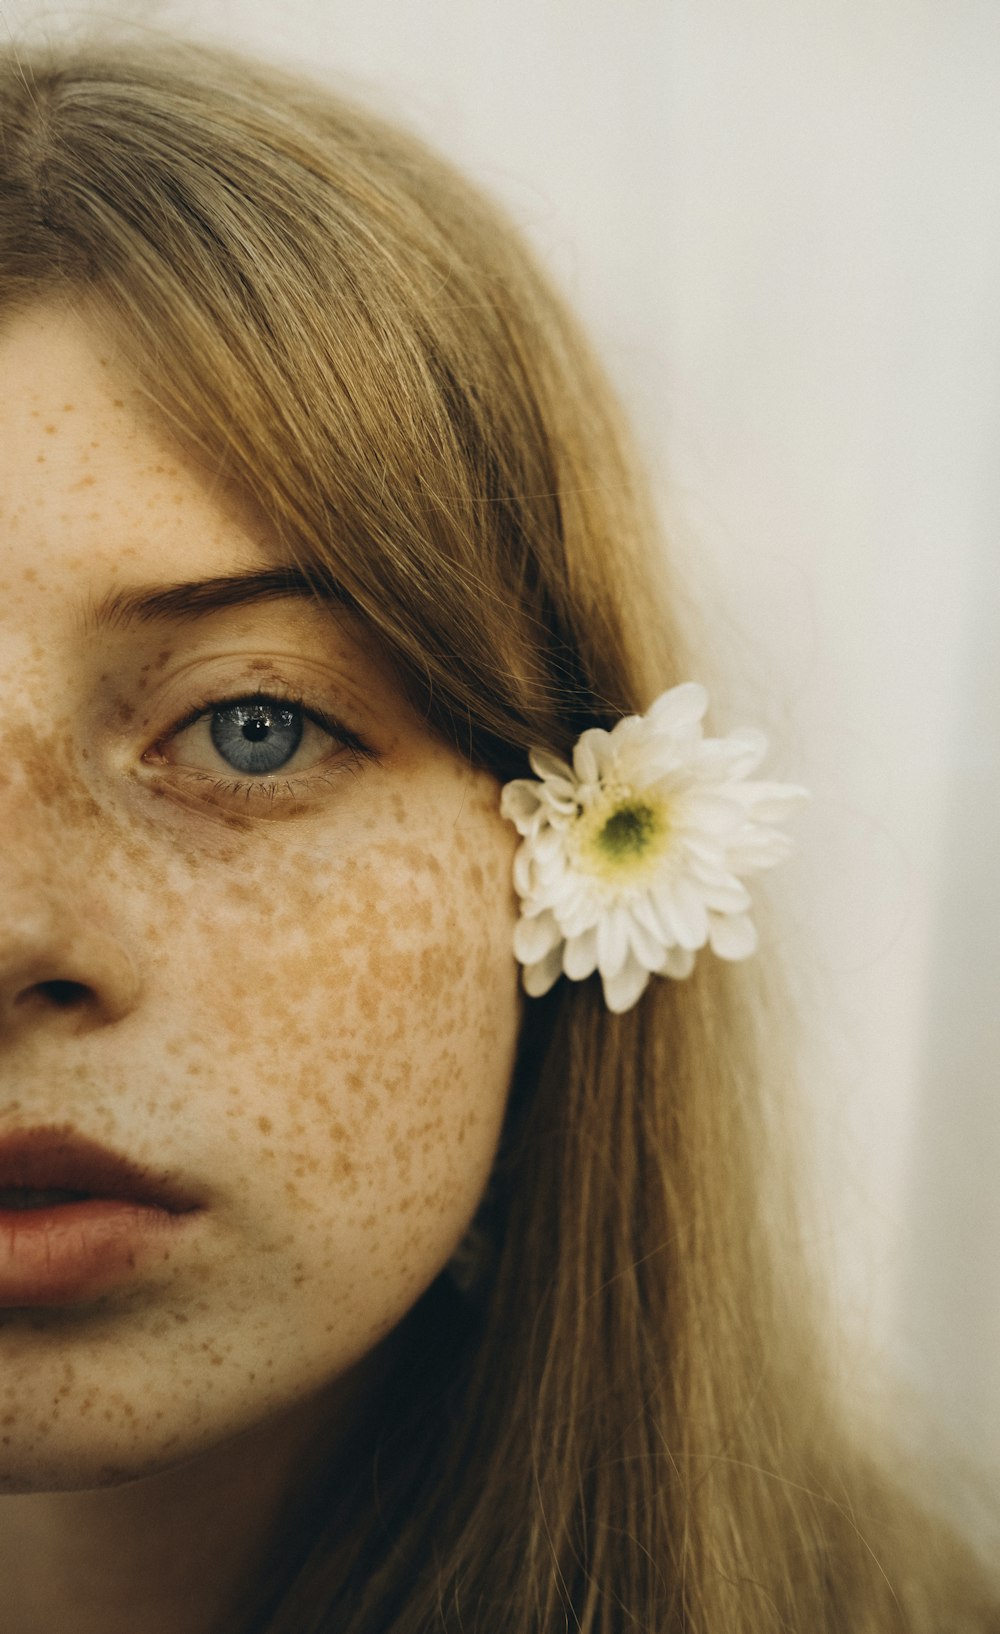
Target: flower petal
678	963
679	708
733	936
622	989
535	937
579	916
772	802
537	979
520	804
734	756
754	849
708	851
659	763
524	870
645	947
558	807
580	955
713	813
612	942
644	913
552	768
628	736
725	894
547	843
683	912
591	754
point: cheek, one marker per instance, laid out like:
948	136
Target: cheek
351	1037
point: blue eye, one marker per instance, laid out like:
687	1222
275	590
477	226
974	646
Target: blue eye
258	736
261	743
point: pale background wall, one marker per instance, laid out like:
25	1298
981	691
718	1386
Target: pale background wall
780	220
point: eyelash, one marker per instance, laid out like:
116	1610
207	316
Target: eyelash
277	786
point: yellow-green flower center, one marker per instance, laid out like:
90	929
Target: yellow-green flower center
621	837
627	832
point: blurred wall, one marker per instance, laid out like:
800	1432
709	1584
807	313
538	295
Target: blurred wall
780	221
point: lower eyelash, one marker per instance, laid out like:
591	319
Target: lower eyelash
273	789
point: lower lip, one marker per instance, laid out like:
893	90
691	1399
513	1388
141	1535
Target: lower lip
67	1253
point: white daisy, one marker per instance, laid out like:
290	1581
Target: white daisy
631	856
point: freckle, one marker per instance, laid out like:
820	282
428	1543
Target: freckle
265	1125
50	430
40	459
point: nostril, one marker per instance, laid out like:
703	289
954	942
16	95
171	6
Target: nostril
59	968
62	993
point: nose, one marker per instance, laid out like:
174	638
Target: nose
55	961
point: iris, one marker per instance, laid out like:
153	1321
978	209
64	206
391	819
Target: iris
257	736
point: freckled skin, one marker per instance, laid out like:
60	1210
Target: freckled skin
305	1012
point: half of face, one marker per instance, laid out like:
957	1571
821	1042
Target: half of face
255	948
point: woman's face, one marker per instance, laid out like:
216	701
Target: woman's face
267	965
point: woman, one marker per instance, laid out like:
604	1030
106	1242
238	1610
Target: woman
346	1286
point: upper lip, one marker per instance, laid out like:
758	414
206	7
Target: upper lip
62	1160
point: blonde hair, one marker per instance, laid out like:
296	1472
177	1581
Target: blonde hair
633	1429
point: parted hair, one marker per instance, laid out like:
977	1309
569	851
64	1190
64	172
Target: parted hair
628	1422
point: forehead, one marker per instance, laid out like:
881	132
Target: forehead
101	510
90	486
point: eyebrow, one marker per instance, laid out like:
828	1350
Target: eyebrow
196	598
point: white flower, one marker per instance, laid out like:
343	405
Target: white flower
630	858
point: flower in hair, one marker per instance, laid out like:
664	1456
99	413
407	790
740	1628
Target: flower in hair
631	857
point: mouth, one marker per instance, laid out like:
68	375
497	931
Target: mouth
76	1219
36	1197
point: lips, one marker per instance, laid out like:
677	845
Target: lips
77	1219
46	1160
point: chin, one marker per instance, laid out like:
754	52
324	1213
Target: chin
67	1425
54	1468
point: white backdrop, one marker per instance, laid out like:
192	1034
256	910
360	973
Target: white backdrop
780	221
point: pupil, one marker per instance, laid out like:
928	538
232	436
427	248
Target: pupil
256	729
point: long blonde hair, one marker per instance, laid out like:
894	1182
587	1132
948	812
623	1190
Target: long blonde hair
631	1427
